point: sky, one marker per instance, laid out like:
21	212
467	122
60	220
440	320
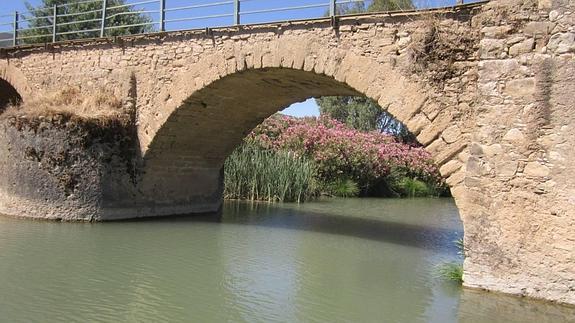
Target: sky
249	7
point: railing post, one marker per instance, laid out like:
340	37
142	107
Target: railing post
54	23
162	15
236	12
332	8
15	34
103	28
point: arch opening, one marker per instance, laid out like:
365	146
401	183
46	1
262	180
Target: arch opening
215	119
8	95
183	164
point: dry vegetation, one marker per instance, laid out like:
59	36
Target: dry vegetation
100	105
437	46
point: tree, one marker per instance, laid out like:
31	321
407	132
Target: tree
375	6
88	17
363	114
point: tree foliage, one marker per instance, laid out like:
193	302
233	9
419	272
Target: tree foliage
38	28
390	5
362	114
375	6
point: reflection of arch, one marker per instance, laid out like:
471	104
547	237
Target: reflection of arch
13	85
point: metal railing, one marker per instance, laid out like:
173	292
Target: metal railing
101	18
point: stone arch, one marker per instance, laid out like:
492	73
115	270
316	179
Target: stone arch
13	84
214	105
340	72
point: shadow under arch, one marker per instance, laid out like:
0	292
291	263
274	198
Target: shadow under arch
14	87
8	95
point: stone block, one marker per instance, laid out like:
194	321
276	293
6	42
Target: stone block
417	123
496	31
536	169
523	47
506	168
562	43
520	88
451	134
538	28
514	136
491	48
449	168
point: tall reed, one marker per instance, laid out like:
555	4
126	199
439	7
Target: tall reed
255	173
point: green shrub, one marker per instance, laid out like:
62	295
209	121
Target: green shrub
451	271
342	187
255	173
412	187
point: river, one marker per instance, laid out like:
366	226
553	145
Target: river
337	260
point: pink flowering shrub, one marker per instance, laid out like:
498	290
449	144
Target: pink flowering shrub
342	152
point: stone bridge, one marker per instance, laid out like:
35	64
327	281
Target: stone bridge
488	89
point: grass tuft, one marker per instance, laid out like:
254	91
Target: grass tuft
460	246
451	271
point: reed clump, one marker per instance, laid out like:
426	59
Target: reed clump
256	173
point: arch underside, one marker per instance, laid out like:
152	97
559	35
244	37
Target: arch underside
215	119
183	164
8	95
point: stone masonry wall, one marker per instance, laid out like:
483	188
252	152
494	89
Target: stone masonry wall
519	205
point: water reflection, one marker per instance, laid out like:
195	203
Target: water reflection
478	307
342	261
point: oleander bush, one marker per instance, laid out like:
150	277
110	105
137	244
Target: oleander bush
346	162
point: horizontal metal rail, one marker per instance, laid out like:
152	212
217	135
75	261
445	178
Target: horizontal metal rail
348	1
60	24
141	12
323	5
200	17
32	28
132	4
34	23
34	18
77	3
77	32
133	25
33	36
79	13
197	6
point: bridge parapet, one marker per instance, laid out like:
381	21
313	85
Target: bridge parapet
100	18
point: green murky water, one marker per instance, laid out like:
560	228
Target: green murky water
354	260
